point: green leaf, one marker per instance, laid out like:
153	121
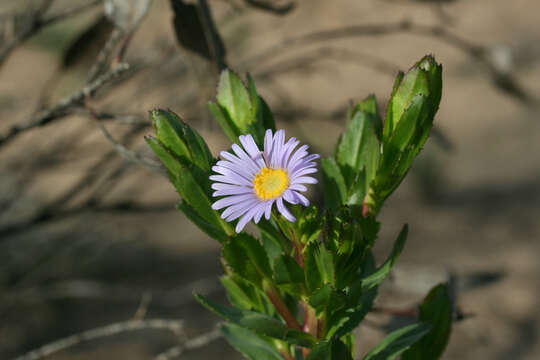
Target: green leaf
202	157
434	75
228	127
217	233
413	83
260	323
267	116
289	275
198	198
359	303
272	247
319	266
171	163
410	124
246	256
376	278
253	347
359	146
233	98
437	311
335	190
309	224
325	264
327	299
333	349
168	129
397	342
257	113
236	295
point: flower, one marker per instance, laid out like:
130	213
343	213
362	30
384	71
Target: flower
252	181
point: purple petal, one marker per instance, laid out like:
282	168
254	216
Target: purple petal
277	148
247	161
268	209
235	211
242	170
248	216
287	151
303	171
289	197
299	154
235	190
235	180
260	212
268	142
251	148
298	187
304	180
228	172
284	211
230	200
301	198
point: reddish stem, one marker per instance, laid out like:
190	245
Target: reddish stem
281	308
286	355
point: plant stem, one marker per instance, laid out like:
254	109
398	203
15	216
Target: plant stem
280	306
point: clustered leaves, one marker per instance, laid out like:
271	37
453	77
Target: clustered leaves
300	289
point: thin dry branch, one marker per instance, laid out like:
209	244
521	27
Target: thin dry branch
271	6
63	107
192	344
174	326
35	21
105	54
95	290
479	53
129	155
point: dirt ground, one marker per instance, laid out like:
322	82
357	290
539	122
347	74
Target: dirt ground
472	200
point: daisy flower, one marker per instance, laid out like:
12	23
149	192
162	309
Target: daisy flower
252	181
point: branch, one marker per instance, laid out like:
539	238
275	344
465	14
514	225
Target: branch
95	290
64	14
192	344
105	54
130	155
50	214
174	326
270	6
62	108
477	52
35	21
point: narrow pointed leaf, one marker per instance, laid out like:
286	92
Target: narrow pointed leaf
218	233
333	349
260	323
335	189
382	272
169	132
437	311
252	346
246	256
289	275
398	341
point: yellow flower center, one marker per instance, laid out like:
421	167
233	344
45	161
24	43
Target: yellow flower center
270	183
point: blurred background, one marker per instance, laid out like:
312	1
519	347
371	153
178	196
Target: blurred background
89	235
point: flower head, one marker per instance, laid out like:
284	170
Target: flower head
252	181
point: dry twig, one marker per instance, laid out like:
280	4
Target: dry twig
35	21
174	326
192	344
63	107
